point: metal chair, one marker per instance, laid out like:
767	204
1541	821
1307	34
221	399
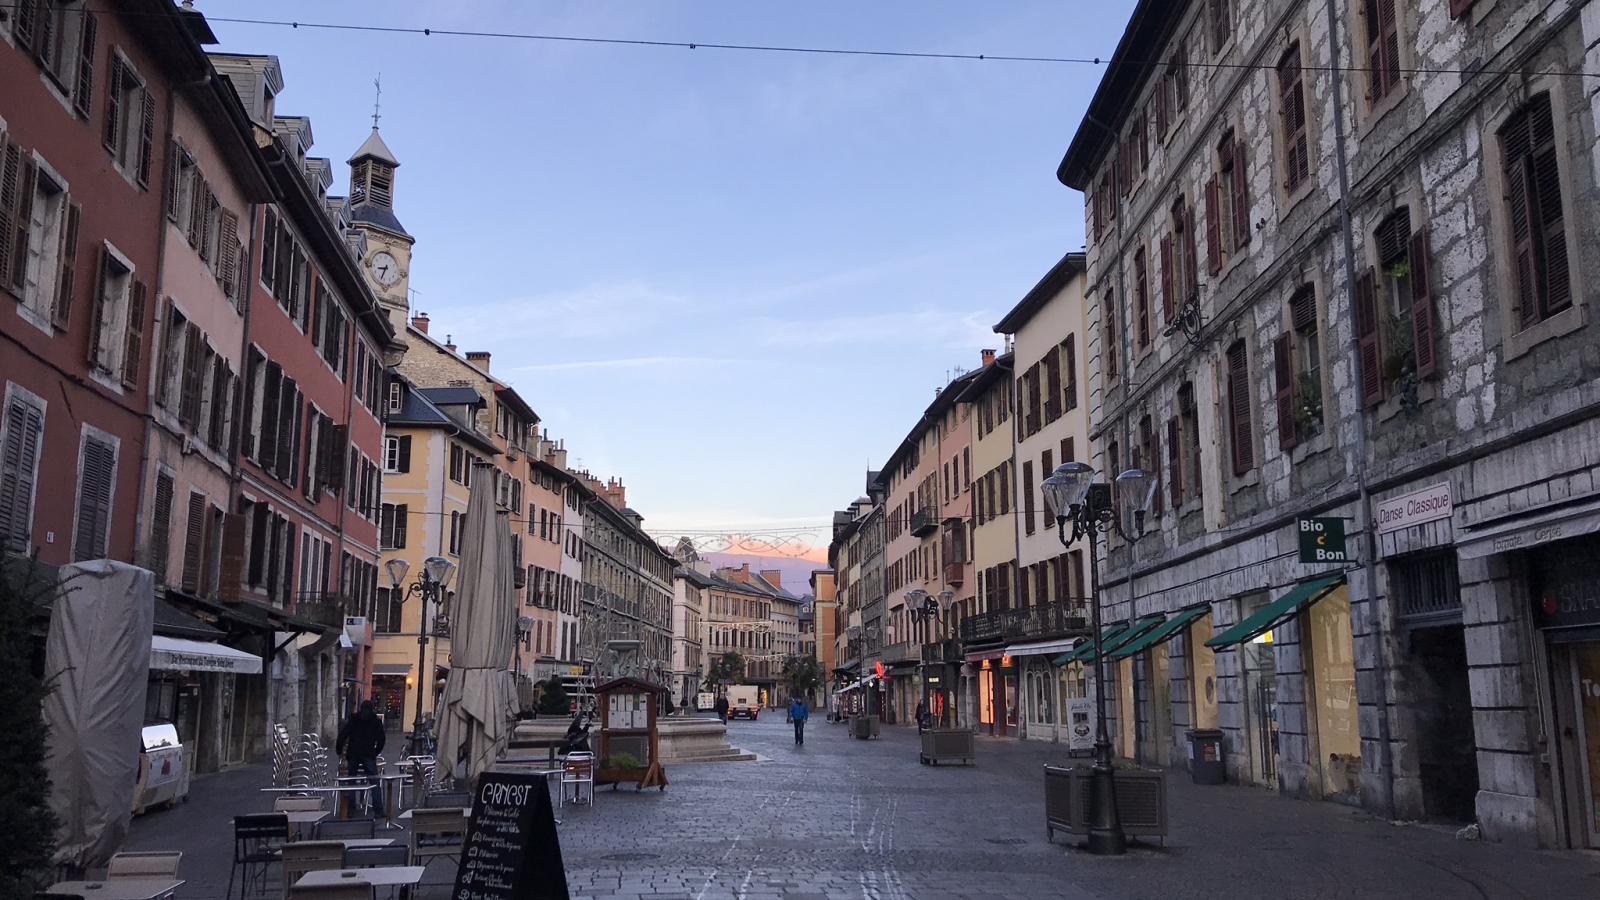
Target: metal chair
333	829
354	890
309	856
577	770
258	841
148	864
435	833
366	857
297	804
453	799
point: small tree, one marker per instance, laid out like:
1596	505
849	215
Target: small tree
554	700
803	674
25	817
725	669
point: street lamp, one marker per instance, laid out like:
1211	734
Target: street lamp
1093	507
431	581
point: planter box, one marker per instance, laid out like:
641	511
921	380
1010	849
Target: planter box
947	743
1141	801
864	727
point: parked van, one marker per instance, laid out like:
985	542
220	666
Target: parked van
705	701
744	701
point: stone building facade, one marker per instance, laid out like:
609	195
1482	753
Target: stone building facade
1417	361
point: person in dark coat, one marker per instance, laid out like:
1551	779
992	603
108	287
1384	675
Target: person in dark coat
721	707
360	741
798	713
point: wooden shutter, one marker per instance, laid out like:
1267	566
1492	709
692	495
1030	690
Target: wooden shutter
1556	281
66	282
83	90
197	210
28	174
1052	384
1283	368
1367	338
133	346
10	191
94	500
405	453
26	23
97	325
1213	228
1071	366
1244	458
1168	306
173	179
269	245
338	451
161	528
400	513
1174	465
193	376
271	397
228	254
19	464
194	542
1389	24
1033	399
112	131
1241	197
147	136
231	578
1422	331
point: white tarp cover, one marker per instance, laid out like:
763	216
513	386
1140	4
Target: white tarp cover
176	654
97	663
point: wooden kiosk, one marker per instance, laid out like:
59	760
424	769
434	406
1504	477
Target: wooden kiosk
628	726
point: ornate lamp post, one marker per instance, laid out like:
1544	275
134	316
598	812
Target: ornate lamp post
430	583
930	609
1093	508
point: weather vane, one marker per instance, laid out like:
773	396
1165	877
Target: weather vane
377	84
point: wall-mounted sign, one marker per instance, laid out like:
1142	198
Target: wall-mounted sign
1415	508
1321	540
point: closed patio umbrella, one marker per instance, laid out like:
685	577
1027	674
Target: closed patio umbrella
480	695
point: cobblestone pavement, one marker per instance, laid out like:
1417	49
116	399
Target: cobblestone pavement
839	818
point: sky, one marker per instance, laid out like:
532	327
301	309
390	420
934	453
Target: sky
732	279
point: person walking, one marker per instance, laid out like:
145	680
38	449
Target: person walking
721	706
798	713
360	741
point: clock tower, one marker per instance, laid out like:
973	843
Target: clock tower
387	264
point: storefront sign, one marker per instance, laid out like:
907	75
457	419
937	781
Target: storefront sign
166	765
1321	540
1566	586
1080	728
511	850
1427	505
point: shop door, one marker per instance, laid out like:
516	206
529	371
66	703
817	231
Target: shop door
1447	757
986	691
1586	681
1261	708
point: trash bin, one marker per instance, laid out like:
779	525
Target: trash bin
1205	756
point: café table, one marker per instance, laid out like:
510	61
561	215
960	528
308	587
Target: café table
377	876
353	843
460	809
118	889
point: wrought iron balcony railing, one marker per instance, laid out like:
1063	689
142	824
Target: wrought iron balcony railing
923	522
942	652
1061	618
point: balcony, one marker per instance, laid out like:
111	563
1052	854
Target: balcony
953	573
1061	618
942	652
894	653
923	523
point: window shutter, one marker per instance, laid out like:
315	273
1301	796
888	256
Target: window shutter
114	111
338	449
1052	384
10	189
1390	45
228	254
1213	228
386	526
174	178
83	91
161	528
400	513
1241	197
1168	306
1174	465
24	425
268	248
1367	338
1072	372
1303	308
189	398
231	576
97	326
405	453
147	137
1283	368
1557	281
195	233
132	354
1033	399
22	234
94	500
194	543
271	397
61	314
1422	331
26	22
1239	409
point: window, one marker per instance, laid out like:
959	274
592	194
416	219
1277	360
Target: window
1141	298
392	526
455	532
458	463
1542	280
1027	496
395	397
1179	285
20	435
117	336
129	129
1394	313
1172	93
397	453
1227	205
38	237
97	466
1383	49
1297	366
1189	428
1219	23
1296	152
61	36
387	621
1241	436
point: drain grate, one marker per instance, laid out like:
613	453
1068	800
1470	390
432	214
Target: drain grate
631	857
1011	841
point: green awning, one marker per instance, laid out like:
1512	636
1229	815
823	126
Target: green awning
1087	647
1113	637
1163	633
1300	597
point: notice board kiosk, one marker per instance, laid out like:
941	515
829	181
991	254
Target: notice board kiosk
629	739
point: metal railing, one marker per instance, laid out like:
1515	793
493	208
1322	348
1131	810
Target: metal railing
942	652
1056	619
923	523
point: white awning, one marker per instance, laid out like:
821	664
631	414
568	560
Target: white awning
1043	648
169	654
391	668
862	683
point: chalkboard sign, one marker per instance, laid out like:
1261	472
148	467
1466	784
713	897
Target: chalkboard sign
511	851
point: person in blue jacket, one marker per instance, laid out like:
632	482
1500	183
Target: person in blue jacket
798	713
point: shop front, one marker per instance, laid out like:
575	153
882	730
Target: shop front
1564	587
1037	680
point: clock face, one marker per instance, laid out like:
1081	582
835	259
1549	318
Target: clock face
384	268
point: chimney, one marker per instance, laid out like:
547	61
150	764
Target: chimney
774	577
988	355
449	343
420	322
479	358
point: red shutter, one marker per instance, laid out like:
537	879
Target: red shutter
61	315
1168	305
10	187
133	349
147	137
98	304
1241	197
28	173
1422	305
1213	228
1174	465
1366	302
1283	368
83	92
